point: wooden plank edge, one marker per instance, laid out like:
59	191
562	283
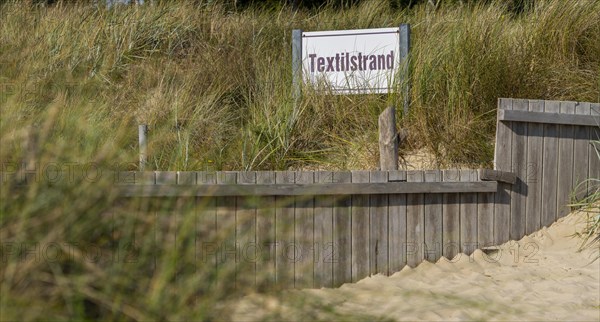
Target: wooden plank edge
497	175
548	118
304	189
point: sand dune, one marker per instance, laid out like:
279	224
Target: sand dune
542	277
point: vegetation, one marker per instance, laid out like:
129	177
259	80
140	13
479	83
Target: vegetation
214	86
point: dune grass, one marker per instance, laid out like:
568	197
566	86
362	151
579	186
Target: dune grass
214	87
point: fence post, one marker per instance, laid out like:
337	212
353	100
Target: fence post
388	140
143	142
404	65
296	68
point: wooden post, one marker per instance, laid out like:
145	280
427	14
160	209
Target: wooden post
143	142
296	69
404	65
388	140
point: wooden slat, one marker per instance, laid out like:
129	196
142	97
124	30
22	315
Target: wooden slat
145	178
535	146
265	235
186	178
451	218
550	167
207	241
378	250
245	222
284	233
433	220
323	234
360	229
415	219
594	170
485	219
561	118
502	162
342	234
495	175
326	189
228	252
397	225
304	269
519	166
166	177
565	162
468	215
581	165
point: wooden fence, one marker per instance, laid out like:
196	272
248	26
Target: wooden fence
547	145
322	229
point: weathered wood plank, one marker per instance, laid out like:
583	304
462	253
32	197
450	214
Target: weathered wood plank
397	225
535	146
550	167
245	222
518	194
186	178
228	251
415	219
561	118
324	234
378	250
388	140
360	229
305	234
468	215
284	233
581	166
325	189
565	162
593	154
432	250
166	177
206	242
265	235
495	175
485	219
502	162
342	234
451	217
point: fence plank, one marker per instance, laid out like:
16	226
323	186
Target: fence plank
304	266
284	233
451	217
519	164
565	162
228	252
265	235
397	225
594	171
378	250
342	234
581	153
360	230
485	219
468	215
415	219
535	146
548	118
245	222
432	248
502	162
323	234
550	167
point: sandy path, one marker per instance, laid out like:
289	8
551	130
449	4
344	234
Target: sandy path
539	278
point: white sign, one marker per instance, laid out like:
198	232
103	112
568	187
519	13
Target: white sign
360	61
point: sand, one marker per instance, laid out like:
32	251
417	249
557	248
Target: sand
541	277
